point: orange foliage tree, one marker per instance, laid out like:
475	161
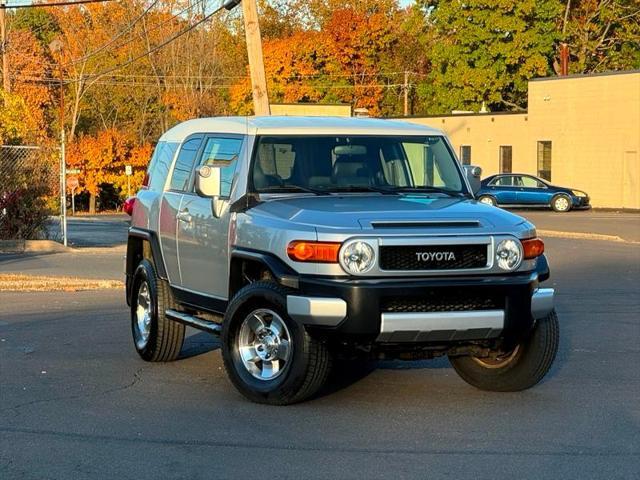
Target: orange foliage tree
28	66
102	159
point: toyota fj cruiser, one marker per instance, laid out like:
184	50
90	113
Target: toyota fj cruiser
301	240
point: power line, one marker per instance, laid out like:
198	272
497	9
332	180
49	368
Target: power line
154	49
115	37
51	4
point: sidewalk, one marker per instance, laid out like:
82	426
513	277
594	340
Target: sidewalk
626	226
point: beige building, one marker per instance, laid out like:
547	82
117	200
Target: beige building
579	131
311	109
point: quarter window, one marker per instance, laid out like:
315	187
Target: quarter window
184	164
544	160
465	154
160	164
505	159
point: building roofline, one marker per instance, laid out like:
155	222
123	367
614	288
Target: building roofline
586	75
473	114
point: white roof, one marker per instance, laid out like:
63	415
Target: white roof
295	125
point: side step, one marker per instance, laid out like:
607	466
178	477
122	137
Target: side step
195	322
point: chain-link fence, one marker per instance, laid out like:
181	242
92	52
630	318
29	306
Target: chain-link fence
29	191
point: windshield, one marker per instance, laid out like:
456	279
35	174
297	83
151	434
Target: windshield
385	164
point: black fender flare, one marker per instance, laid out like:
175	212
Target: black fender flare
281	272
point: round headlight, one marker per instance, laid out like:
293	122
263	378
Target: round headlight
357	257
509	254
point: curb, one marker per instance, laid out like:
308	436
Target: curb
49	246
584	236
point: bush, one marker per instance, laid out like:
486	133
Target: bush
25	201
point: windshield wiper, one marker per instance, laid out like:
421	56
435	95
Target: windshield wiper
293	188
428	189
364	188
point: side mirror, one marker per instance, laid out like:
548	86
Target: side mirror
208	181
473	173
208	185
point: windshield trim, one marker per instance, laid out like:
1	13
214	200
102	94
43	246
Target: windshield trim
464	191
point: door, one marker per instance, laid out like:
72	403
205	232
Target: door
202	237
504	190
170	206
532	191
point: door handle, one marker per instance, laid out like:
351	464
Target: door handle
184	216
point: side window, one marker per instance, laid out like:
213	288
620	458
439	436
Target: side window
184	164
503	181
223	153
160	164
530	182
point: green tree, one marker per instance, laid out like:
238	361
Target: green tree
487	50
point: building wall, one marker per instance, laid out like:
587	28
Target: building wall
593	123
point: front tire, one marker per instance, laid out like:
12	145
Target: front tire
519	369
269	357
561	203
156	338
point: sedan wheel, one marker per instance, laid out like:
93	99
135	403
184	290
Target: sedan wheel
487	200
561	203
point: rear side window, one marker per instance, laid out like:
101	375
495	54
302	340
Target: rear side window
160	164
503	182
185	163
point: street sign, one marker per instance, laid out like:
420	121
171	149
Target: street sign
128	170
73	183
73	171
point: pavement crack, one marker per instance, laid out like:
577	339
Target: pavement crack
136	379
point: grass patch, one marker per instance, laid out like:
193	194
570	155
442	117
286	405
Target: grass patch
16	282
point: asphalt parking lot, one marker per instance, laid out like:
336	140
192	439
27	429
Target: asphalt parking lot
77	402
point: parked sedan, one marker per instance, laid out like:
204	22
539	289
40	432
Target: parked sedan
520	190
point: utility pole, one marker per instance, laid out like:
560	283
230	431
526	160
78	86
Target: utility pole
3	47
56	47
256	60
406	93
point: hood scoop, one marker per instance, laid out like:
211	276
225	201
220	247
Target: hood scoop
381	224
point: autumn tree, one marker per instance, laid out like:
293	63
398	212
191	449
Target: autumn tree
602	35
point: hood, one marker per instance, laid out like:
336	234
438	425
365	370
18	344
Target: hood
368	212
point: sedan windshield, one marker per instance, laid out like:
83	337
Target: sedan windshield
383	164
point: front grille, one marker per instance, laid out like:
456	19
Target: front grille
443	301
432	257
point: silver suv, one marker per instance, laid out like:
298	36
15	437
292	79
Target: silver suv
307	241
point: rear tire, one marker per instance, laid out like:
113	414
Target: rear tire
488	200
269	357
156	338
561	203
518	370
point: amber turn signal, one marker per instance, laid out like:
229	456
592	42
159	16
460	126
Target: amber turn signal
533	248
315	252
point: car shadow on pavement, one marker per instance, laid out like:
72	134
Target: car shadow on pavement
197	344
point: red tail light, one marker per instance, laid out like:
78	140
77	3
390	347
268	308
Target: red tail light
128	205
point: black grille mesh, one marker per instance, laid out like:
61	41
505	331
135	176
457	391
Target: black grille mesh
405	257
443	301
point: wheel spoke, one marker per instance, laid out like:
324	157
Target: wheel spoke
283	349
269	369
277	327
249	354
256	323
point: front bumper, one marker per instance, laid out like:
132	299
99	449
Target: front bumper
389	310
580	202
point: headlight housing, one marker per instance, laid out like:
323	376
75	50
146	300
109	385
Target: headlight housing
357	257
579	193
509	255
